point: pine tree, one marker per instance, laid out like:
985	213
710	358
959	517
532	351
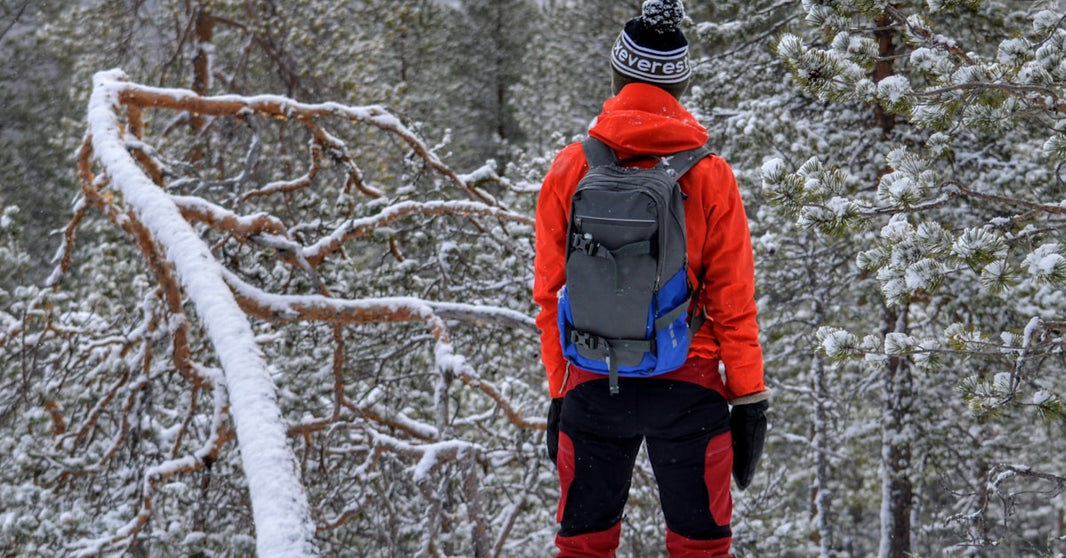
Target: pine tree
962	94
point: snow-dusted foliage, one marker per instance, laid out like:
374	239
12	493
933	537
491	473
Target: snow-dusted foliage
293	352
953	206
902	167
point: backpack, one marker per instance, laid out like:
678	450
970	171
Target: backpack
624	308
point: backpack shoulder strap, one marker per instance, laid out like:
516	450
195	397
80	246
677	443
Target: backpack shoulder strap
680	163
598	153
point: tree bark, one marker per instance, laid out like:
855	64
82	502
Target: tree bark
896	433
885	34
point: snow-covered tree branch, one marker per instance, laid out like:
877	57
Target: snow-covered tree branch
238	265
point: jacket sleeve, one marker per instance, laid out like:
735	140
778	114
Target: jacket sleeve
728	284
549	266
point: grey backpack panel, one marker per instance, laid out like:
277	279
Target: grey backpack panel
626	239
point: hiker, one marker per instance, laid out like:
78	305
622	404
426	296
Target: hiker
703	420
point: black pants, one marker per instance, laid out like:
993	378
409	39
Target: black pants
686	430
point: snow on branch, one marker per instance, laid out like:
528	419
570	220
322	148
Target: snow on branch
279	502
360	227
227	255
1000	473
1046	97
382	309
391	309
275	106
157	475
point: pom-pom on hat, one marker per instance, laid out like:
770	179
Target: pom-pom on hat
652	49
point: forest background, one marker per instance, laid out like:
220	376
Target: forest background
267	288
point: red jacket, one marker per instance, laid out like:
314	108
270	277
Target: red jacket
646	120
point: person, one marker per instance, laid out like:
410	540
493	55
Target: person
693	439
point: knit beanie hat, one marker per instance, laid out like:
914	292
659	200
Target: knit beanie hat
652	49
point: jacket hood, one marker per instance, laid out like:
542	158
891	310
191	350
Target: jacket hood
646	120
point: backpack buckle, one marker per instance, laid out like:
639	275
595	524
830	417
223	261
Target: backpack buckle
584	243
584	339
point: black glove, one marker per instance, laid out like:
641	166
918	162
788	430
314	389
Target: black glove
554	412
748	426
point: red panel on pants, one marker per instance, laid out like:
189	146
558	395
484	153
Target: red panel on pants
685	426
